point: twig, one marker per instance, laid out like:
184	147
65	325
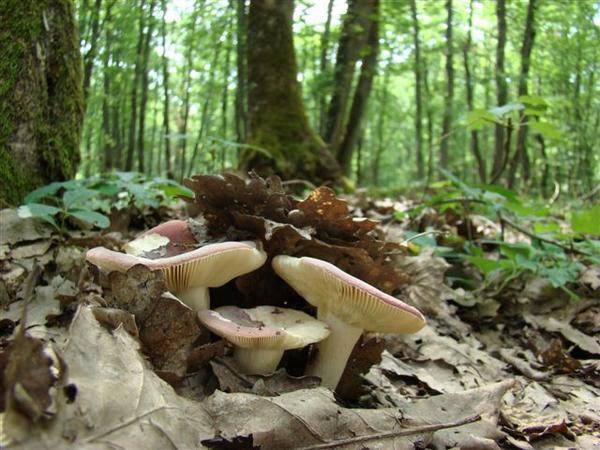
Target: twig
555	194
420	235
391	434
519	228
590	194
306	183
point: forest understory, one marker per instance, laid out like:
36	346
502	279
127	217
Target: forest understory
508	359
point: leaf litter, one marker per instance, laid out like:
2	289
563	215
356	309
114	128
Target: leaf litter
117	363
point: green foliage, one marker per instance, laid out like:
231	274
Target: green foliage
89	200
554	251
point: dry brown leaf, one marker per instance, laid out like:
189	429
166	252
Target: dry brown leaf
551	324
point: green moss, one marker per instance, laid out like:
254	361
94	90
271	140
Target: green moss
41	105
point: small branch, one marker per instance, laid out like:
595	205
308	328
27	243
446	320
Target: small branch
509	130
392	434
590	194
520	229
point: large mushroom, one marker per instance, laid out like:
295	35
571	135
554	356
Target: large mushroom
261	335
348	305
189	270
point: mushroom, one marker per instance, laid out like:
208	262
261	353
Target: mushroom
348	305
188	272
260	335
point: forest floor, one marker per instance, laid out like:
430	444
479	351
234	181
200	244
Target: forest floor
111	362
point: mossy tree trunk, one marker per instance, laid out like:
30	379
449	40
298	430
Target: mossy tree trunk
277	121
41	95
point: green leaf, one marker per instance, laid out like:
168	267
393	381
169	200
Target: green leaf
92	217
587	221
477	118
533	100
546	227
546	129
78	197
37	210
500	111
45	191
488	265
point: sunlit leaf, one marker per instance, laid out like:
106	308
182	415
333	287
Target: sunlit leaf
92	217
587	221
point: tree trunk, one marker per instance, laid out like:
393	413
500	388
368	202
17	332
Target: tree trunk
470	103
353	35
277	120
445	138
521	157
106	97
131	141
187	89
90	55
323	67
362	92
165	84
144	88
41	95
501	88
418	69
241	97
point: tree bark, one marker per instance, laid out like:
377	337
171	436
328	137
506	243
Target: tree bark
133	96
418	69
88	59
166	98
277	120
448	105
474	135
241	96
324	66
362	92
144	88
41	95
353	35
187	89
521	157
501	88
108	141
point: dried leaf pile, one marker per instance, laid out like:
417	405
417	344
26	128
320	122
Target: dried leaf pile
112	361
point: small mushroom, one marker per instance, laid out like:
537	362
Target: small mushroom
348	305
189	270
261	335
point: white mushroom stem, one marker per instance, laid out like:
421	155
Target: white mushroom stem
333	352
256	360
196	298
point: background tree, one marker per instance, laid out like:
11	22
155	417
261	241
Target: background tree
41	95
276	117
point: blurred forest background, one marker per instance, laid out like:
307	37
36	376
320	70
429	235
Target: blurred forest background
415	85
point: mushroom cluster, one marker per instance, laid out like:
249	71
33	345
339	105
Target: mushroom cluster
346	306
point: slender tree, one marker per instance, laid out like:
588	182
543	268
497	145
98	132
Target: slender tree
144	87
166	96
521	158
362	91
133	99
469	87
353	36
418	69
88	58
241	97
324	66
448	104
108	140
501	89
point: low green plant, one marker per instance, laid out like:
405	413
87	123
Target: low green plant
555	251
89	200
